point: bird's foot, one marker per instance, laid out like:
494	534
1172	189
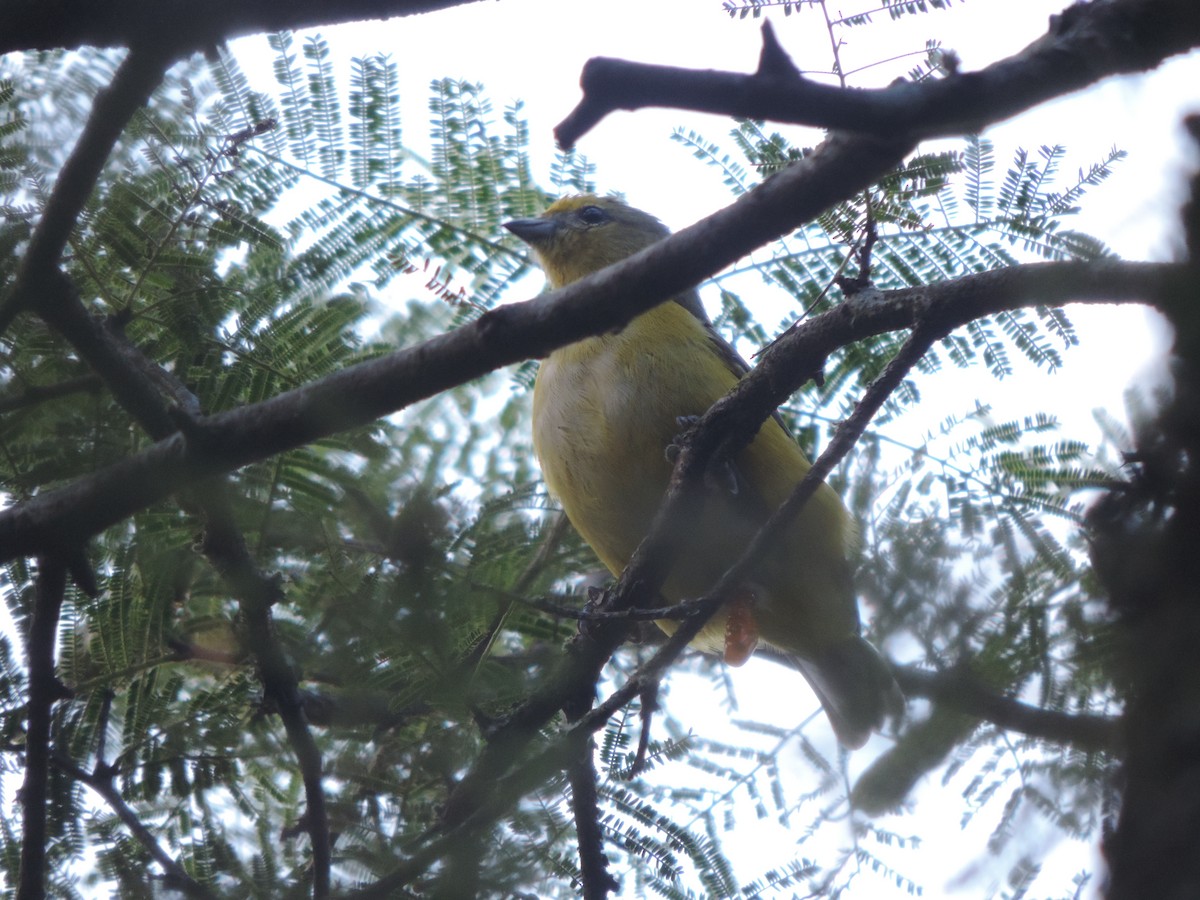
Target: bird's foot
741	628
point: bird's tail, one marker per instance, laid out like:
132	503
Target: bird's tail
855	687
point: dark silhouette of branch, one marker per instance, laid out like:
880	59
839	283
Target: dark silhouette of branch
598	882
796	356
192	26
1084	44
361	393
512	333
1144	536
44	691
36	393
257	592
102	781
723	430
573	684
966	693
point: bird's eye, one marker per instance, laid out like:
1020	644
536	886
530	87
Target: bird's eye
592	215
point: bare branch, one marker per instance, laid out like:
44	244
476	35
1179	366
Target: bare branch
191	26
1087	42
44	691
966	693
598	882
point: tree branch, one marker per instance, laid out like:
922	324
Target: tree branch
723	430
1084	44
966	693
191	26
598	882
794	358
134	381
101	781
572	686
225	546
360	394
357	395
44	690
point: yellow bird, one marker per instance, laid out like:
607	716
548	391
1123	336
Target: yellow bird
605	412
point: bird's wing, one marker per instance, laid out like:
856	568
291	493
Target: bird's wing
732	479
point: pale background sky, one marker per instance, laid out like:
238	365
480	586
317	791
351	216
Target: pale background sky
533	50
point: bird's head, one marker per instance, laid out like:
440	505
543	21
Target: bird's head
582	234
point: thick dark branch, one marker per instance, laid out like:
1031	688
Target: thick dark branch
192	26
598	882
965	693
135	80
102	782
1144	536
1086	43
360	394
44	691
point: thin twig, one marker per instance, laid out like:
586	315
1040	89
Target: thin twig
102	782
135	382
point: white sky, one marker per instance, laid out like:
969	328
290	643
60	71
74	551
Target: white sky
533	50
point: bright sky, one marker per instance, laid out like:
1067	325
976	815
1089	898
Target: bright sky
533	50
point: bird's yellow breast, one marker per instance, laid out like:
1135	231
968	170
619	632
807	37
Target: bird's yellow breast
604	412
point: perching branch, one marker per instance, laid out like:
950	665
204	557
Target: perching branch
576	677
724	430
1087	42
796	356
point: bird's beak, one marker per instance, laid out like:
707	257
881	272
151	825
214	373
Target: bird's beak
532	231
